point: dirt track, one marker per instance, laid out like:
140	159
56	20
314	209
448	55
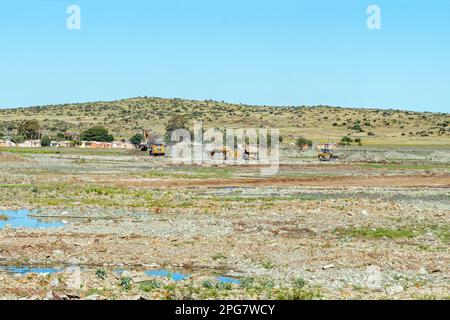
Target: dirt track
434	180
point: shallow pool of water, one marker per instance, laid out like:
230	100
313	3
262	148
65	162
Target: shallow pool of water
176	276
25	270
228	280
22	219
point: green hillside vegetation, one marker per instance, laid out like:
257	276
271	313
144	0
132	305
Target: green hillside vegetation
124	118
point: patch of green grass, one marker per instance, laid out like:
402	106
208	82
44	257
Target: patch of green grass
267	265
299	283
441	231
264	199
150	285
247	282
297	294
376	233
223	286
193	173
99	190
125	283
219	256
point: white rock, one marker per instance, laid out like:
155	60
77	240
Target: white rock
93	297
73	281
423	271
49	296
374	277
54	283
395	289
58	253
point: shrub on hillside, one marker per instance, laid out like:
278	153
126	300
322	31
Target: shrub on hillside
45	141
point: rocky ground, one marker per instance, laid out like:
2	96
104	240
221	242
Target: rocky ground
353	229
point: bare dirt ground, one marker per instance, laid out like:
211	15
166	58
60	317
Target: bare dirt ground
344	230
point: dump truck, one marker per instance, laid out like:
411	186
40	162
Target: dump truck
152	143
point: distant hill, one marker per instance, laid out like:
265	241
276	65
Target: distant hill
320	123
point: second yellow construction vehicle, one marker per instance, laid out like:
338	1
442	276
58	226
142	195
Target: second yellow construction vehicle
153	144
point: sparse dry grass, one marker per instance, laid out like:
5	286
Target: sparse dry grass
319	123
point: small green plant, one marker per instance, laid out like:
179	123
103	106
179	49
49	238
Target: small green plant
207	284
223	286
247	282
300	283
377	232
218	256
267	265
125	283
150	285
100	273
297	294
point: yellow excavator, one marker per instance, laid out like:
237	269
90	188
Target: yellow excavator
153	144
326	152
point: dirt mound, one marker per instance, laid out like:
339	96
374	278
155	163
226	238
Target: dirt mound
9	157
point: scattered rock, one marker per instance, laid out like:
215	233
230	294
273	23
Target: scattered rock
58	253
395	289
49	295
423	271
73	281
54	283
328	266
374	277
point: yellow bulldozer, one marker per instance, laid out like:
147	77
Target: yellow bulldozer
153	144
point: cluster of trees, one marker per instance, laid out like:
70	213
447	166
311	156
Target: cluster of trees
301	141
97	133
31	130
347	141
137	139
25	130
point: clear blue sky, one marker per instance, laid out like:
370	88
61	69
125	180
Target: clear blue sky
277	52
